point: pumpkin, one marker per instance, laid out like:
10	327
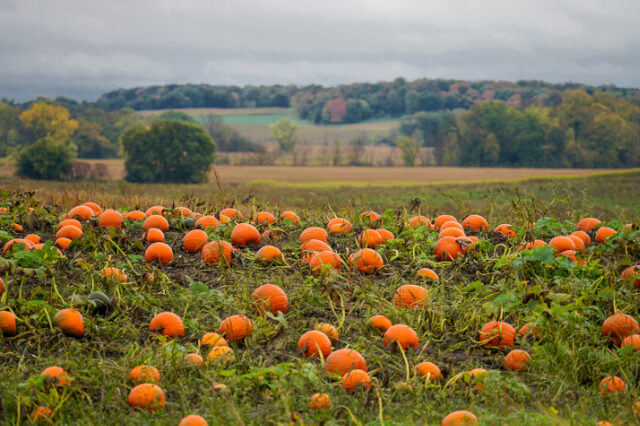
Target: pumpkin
114	274
385	234
147	396
586	239
194	240
478	377
291	216
505	229
99	300
81	212
17	227
40	413
314	233
192	360
319	400
153	235
311	246
213	339
221	353
497	334
135	215
451	232
343	360
8	323
632	275
97	210
68	222
612	384
144	374
321	258
633	341
264	218
34	238
588	223
619	326
577	242
217	252
366	260
70	322
371	217
428	370
517	360
329	330
235	327
160	252
244	234
418	221
193	420
571	254
475	222
354	378
111	219
528	327
447	248
441	220
232	213
380	323
71	232
269	254
313	343
184	211
57	376
410	296
562	243
531	245
168	324
459	418
62	243
155	210
370	238
270	297
17	243
156	221
451	224
206	222
427	273
402	334
224	219
604	233
339	225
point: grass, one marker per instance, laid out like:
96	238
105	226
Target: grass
269	381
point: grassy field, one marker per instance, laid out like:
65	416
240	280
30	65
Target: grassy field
269	380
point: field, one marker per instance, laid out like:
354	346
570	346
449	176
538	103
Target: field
268	379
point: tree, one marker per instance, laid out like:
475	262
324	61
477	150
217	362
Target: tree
48	158
172	115
44	119
410	149
167	151
491	151
90	142
285	132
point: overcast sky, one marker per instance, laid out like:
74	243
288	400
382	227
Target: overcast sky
82	49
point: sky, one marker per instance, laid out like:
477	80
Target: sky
81	49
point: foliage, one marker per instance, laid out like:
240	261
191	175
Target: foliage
285	132
167	151
47	159
410	149
48	120
227	138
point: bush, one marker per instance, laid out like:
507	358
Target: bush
167	151
80	170
47	159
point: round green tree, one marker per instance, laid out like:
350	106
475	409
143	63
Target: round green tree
48	159
167	151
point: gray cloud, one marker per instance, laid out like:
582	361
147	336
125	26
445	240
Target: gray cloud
84	48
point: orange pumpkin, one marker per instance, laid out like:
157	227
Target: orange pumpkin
428	370
158	251
153	235
147	396
269	254
17	243
313	343
206	222
517	360
40	413
452	224
385	235
270	297
475	222
321	258
366	260
370	238
70	322
355	378
81	212
343	360
339	225
633	341
329	330
264	218
586	239
505	229
371	217
427	273
588	223
111	219
497	334
221	354
192	360
531	245
34	238
632	275
604	232
459	418
217	251
404	335
62	243
213	339
380	323
184	211
619	326
193	420
478	377
319	400
71	222
314	233
411	296
135	215
289	215
155	210
144	374
578	242
58	377
71	232
114	274
441	220
156	221
8	323
418	221
562	243
447	248
232	213
612	384
97	210
168	324
194	240
236	327
244	234
451	232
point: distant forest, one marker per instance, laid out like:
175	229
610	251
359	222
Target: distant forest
523	124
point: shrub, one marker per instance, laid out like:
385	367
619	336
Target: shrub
47	159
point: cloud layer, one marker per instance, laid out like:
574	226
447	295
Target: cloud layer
84	48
